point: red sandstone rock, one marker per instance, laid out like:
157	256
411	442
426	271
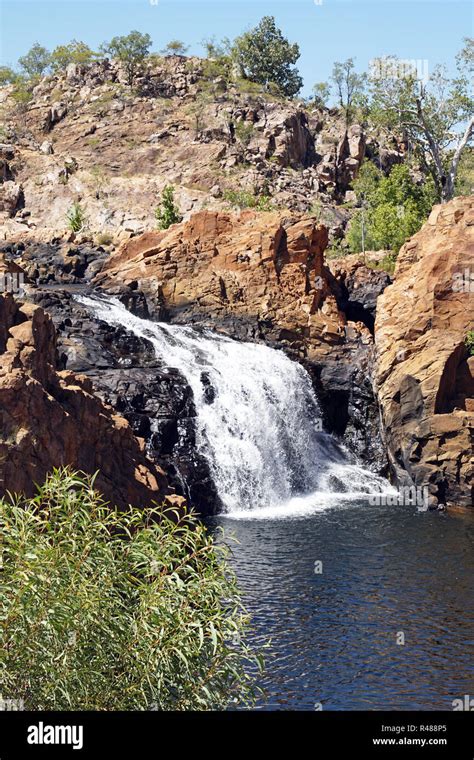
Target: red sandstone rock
263	267
424	376
49	418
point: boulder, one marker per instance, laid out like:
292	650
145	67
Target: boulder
261	271
11	197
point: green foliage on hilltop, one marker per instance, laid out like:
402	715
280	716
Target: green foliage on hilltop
349	86
131	50
244	130
74	52
109	610
266	57
175	47
392	208
321	94
36	61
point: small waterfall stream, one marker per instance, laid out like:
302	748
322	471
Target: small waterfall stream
258	419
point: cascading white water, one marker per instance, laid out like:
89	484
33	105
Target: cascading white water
258	419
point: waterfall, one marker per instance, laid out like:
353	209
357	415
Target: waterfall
258	419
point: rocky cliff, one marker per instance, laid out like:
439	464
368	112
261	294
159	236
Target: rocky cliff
256	273
259	276
50	417
424	375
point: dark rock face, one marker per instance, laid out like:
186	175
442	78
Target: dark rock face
344	387
357	288
53	262
158	404
154	399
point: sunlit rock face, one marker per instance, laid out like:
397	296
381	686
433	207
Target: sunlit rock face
425	376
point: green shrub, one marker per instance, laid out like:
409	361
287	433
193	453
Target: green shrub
76	217
7	75
22	91
109	610
244	131
244	199
217	67
470	342
167	213
394	208
75	52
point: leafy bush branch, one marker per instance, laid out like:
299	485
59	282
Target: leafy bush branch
109	610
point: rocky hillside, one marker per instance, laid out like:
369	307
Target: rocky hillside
87	136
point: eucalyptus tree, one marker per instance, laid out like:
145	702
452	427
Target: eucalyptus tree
265	56
131	50
434	113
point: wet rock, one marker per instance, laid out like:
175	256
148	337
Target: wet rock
156	400
51	418
56	262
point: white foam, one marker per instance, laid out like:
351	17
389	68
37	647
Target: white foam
261	433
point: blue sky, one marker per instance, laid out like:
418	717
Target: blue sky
429	30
